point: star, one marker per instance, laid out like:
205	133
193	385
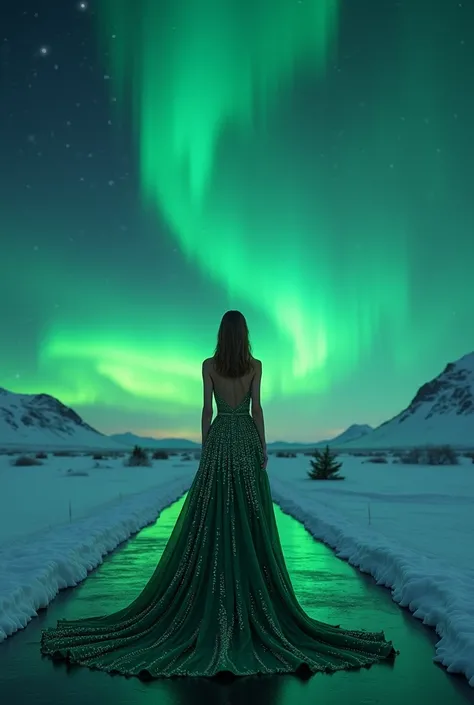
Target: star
44	51
82	6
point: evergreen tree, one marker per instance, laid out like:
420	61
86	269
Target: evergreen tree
324	466
138	457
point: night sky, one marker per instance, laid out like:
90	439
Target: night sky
309	163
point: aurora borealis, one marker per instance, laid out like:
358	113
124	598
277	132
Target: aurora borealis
309	163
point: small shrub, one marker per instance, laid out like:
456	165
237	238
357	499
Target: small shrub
324	466
138	458
377	459
442	455
285	454
98	456
41	455
433	455
197	456
64	454
24	461
160	455
185	456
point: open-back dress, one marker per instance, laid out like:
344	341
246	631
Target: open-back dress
221	598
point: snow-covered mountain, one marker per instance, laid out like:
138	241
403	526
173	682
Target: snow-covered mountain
288	445
442	412
130	440
351	433
40	421
354	432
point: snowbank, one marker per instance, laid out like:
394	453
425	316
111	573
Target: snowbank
42	551
410	527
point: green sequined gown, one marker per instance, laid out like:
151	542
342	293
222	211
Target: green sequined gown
220	598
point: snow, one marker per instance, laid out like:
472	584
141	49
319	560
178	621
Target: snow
354	432
56	526
442	412
449	428
130	440
408	526
42	422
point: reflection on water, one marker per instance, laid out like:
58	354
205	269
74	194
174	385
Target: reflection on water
328	589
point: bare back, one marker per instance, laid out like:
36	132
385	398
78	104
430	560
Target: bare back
233	390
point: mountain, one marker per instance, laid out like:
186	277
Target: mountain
41	421
356	431
130	440
441	412
287	445
350	434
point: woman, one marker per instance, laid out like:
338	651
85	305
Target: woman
220	598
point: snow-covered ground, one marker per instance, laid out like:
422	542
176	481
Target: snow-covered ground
411	527
55	526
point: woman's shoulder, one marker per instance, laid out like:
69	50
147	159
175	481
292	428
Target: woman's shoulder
255	363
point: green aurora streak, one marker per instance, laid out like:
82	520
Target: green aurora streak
329	198
206	80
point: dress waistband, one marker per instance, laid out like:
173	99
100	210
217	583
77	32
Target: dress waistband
233	413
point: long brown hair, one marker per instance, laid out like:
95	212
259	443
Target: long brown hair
233	353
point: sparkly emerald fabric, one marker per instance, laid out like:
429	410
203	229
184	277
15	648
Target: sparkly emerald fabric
220	598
